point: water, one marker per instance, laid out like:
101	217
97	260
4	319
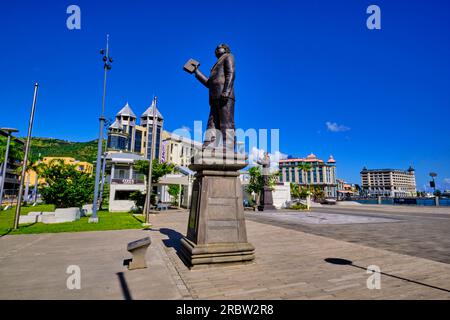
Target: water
420	202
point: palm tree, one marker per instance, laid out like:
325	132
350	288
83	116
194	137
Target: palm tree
305	167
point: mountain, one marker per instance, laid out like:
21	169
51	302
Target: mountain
48	147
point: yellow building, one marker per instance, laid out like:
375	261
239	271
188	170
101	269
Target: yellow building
79	165
177	149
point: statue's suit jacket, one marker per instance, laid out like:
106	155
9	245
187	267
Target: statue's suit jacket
221	78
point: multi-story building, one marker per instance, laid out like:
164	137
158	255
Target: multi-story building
388	182
177	149
129	141
345	190
31	176
321	173
12	182
126	135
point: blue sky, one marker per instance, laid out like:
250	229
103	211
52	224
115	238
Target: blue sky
300	64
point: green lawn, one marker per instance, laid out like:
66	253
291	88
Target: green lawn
107	221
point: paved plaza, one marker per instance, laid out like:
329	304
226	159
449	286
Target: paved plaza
292	260
417	231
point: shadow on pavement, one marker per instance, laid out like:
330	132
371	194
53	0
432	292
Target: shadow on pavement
10	229
6	233
173	241
345	262
124	286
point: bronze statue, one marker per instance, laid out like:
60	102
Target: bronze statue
221	97
265	163
266	198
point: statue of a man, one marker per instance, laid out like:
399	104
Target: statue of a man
265	163
266	198
221	96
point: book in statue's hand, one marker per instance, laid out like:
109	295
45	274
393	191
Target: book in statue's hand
191	65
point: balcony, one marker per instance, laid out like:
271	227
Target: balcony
122	176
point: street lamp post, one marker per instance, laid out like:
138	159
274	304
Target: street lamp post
103	175
25	159
150	166
9	131
103	178
107	66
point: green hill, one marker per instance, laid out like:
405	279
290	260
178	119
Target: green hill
83	151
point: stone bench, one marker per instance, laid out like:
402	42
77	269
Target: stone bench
59	216
87	210
138	249
162	206
26	219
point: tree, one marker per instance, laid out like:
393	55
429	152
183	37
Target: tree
437	193
317	193
159	170
138	198
174	190
256	183
305	167
295	190
65	186
15	150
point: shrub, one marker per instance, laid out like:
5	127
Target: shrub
65	186
139	199
298	206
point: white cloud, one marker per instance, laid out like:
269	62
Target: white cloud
257	154
184	132
186	128
334	127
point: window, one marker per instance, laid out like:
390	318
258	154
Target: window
116	142
123	194
137	141
121	174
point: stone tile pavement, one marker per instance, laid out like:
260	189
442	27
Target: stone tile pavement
290	264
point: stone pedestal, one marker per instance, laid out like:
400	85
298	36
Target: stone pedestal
216	233
266	200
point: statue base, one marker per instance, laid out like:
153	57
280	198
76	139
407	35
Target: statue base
266	202
216	233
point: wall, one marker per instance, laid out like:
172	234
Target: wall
281	195
122	205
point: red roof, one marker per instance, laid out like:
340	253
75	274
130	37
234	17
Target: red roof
311	158
331	159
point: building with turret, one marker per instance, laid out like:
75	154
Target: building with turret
320	173
130	140
126	135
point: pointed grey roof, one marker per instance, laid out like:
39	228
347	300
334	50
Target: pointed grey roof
116	125
149	112
126	111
